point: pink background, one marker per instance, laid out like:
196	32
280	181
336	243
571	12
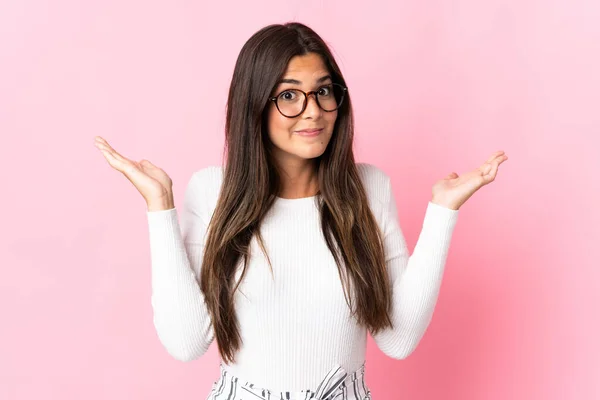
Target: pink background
437	87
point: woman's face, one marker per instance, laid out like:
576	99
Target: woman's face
290	145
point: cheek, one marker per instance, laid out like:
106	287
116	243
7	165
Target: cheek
279	126
331	118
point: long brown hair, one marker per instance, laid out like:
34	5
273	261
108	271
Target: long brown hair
251	182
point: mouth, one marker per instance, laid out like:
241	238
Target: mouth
309	132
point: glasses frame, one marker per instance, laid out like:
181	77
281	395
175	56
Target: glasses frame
306	94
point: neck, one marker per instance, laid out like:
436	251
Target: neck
299	179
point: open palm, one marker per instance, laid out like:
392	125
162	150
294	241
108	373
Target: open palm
152	182
454	190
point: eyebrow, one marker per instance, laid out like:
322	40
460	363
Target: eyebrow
297	82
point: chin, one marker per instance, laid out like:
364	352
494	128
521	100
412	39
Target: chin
303	151
311	155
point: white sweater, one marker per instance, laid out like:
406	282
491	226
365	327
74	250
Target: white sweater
296	327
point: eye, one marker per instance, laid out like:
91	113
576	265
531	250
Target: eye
325	90
288	95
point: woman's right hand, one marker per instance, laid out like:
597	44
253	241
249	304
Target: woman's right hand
152	182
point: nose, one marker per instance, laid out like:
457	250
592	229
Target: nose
312	107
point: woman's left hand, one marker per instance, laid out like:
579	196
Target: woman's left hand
453	191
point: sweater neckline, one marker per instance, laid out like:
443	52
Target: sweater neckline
297	202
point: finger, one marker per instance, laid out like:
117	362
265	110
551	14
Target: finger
491	174
116	164
497	158
147	167
116	154
494	156
100	139
147	163
113	151
494	171
105	148
123	162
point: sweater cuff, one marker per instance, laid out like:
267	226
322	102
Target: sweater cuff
164	228
439	222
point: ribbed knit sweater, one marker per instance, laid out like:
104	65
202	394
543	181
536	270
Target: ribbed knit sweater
296	326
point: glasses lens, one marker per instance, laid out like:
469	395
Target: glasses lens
290	102
330	97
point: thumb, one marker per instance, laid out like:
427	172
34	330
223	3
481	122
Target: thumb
452	175
147	163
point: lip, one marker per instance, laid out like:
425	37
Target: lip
309	132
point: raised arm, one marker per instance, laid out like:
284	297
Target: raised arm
416	278
181	318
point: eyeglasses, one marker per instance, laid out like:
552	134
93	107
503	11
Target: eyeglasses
292	102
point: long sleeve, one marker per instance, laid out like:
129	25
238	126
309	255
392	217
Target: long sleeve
181	318
415	279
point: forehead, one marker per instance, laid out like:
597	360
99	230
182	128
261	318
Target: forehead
309	67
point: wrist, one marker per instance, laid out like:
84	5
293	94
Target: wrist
161	204
445	204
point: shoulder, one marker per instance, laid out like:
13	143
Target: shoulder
377	183
202	191
211	175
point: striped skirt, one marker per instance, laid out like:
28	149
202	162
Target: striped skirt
336	385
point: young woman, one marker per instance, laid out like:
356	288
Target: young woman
291	252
